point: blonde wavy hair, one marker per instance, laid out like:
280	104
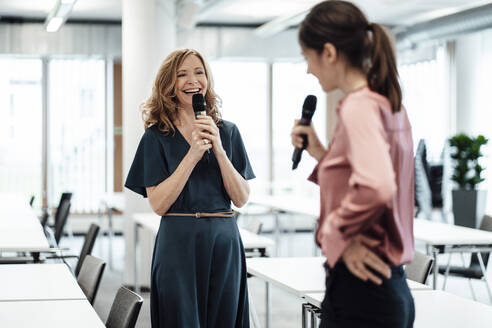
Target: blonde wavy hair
162	107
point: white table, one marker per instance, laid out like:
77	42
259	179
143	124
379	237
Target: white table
152	221
29	282
286	204
437	309
446	238
291	204
20	229
297	275
440	309
52	314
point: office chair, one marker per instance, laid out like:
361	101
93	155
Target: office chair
90	276
89	241
254	225
474	270
423	193
62	216
66	196
125	309
418	270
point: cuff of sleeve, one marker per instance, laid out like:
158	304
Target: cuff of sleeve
314	175
333	243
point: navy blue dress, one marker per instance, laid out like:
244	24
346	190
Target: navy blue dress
198	277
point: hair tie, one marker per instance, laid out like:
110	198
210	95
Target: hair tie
369	27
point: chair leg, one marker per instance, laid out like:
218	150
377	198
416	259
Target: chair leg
305	309
446	274
484	272
252	312
471	289
443	216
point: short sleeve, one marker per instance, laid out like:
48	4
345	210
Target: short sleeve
149	166
240	159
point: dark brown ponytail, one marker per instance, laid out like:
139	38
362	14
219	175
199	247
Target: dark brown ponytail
382	75
365	46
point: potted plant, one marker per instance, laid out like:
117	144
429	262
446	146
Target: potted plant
468	202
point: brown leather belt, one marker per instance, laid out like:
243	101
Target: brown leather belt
198	215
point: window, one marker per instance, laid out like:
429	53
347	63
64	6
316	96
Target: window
424	96
21	127
242	86
291	85
77	132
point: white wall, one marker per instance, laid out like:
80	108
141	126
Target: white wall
217	42
468	52
71	39
106	40
473	91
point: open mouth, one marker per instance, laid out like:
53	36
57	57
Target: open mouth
192	91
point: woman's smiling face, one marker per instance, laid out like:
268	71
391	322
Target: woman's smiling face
191	79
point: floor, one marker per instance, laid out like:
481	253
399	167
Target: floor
286	308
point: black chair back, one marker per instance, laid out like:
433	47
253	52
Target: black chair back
66	196
63	211
418	270
90	276
44	219
89	242
125	309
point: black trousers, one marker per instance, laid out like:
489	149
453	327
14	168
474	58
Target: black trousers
351	303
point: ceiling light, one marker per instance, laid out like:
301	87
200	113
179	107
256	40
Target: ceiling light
54	24
58	15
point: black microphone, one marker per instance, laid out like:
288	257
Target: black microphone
198	103
308	109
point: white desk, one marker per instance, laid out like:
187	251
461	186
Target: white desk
446	238
291	204
297	275
152	222
52	314
440	309
20	229
413	285
287	204
28	282
437	309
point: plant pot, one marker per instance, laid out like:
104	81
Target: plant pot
469	207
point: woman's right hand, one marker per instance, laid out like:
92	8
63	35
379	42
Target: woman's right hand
198	146
358	258
314	147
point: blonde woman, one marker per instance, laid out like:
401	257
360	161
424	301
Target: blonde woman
198	269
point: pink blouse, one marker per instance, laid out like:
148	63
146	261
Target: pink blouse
366	179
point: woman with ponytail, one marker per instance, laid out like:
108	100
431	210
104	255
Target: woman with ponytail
365	176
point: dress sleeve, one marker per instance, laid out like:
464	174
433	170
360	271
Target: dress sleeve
240	159
149	165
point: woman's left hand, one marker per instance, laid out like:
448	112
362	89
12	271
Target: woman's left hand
358	257
208	130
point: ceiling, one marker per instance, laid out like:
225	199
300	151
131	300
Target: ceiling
391	12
